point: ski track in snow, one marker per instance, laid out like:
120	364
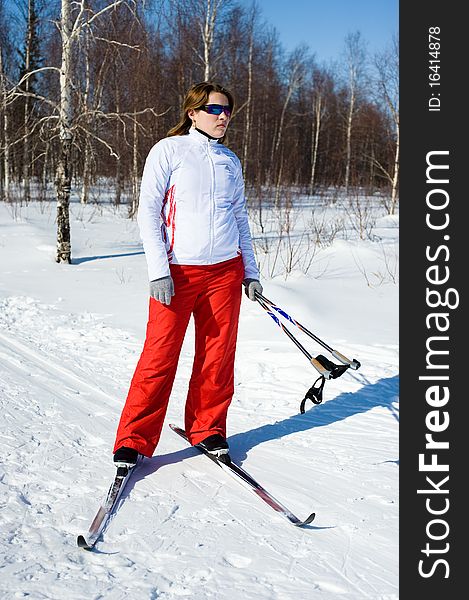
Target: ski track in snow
184	529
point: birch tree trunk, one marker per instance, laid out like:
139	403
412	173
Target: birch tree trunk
45	174
6	139
118	194
27	108
206	23
371	176
207	29
282	119
85	189
293	82
315	131
260	131
395	179
26	151
355	58
247	116
348	134
392	98
134	203
63	179
387	65
70	32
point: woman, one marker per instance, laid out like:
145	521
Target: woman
194	227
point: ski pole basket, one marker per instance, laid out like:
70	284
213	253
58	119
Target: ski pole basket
325	367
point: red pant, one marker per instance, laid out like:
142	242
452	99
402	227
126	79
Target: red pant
212	293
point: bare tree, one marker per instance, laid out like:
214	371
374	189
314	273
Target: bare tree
355	56
5	183
71	27
295	68
87	150
248	105
387	66
207	23
63	179
321	84
197	23
30	64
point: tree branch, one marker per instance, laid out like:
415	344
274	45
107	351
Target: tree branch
101	39
108	146
30	74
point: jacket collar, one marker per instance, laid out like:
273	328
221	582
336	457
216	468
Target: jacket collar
200	137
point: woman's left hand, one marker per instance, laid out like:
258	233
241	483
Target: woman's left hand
251	287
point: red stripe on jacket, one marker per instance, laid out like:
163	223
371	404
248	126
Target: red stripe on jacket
170	219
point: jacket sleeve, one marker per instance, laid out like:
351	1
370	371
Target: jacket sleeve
241	214
155	178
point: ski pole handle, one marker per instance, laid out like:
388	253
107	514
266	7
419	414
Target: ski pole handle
320	368
353	364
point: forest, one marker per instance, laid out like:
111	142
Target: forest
87	87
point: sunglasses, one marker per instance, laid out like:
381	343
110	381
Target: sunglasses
216	109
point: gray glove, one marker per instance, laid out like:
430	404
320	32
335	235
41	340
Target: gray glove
162	289
251	286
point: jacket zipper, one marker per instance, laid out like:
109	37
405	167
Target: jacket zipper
212	202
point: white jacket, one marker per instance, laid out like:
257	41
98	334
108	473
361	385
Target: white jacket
192	208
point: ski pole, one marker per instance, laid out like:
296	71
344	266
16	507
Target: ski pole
316	364
353	364
326	368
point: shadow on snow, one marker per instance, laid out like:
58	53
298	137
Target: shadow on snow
79	261
383	393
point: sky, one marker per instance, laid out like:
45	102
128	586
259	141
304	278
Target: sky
323	24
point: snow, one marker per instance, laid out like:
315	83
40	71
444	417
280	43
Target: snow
70	337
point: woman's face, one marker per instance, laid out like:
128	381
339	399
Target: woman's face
214	125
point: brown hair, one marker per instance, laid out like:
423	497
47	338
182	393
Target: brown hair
195	98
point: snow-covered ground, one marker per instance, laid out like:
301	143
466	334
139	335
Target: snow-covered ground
70	337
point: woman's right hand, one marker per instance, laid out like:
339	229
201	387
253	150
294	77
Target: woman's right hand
162	289
251	287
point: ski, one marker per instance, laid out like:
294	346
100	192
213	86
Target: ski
88	541
248	481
